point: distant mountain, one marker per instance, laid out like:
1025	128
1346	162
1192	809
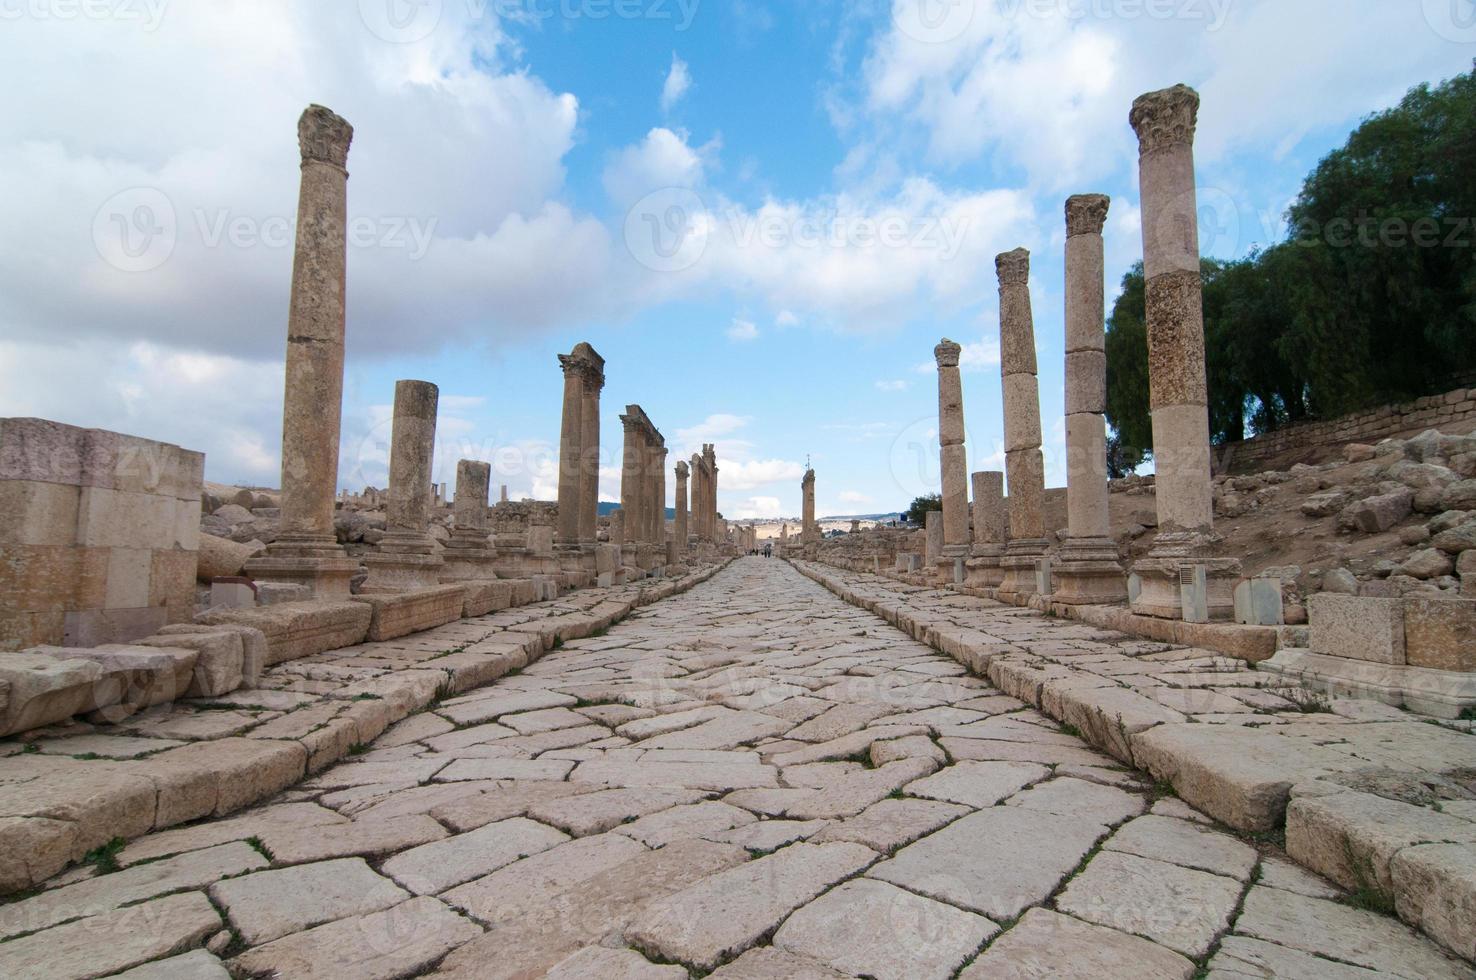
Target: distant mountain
608	507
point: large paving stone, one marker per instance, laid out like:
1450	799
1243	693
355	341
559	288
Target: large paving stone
978	784
254	823
723	915
1046	944
1176	907
709	776
1240	957
599	963
1077	797
112	942
1345	934
535	880
890	824
108	892
362	838
586	914
854	792
198	965
271	904
767	962
398	942
997	862
1186	844
685	822
1435	890
597	812
433	868
870	928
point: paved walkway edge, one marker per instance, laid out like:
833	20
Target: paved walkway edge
46	828
1428	877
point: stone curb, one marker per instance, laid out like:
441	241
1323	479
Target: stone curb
1421	863
54	810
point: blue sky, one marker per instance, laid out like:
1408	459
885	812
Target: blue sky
843	174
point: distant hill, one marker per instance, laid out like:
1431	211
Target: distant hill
607	508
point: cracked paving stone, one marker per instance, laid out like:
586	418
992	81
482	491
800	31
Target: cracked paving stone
1047	944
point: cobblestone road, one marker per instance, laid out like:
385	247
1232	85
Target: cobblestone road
754	779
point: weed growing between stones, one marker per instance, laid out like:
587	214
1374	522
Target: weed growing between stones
105	858
1366	893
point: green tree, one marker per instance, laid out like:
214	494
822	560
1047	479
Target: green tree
918	512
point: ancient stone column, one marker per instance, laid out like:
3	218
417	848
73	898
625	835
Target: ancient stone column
306	551
571	451
984	570
589	471
406	557
468	555
808	507
1090	571
954	461
680	534
698	508
661	454
1024	464
1165	123
709	456
630	481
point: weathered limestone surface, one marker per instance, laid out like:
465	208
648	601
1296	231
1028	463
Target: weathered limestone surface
683	793
99	534
1024	464
306	551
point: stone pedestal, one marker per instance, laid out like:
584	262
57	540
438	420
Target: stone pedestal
1089	570
469	556
406	558
1165	123
1024	464
983	566
306	551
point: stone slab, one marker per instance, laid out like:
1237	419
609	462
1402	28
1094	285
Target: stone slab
404	613
434	868
271	904
1046	944
116	941
1175	907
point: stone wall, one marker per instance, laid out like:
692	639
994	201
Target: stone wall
99	534
1317	442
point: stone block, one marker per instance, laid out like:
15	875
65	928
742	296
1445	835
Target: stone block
1440	633
139	676
223	558
300	629
404	613
98	627
1022	412
1086	382
253	646
1357	627
220	667
1258	602
44	688
1374	515
277	593
237	593
36	513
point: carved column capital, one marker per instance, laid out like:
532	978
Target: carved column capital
1165	118
1086	214
1013	268
324	136
947	353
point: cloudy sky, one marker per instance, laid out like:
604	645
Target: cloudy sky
763	214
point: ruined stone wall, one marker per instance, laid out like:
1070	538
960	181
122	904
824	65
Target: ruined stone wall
99	535
1317	442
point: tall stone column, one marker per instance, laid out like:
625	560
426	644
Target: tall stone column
1024	464
709	456
589	471
406	557
469	555
630	483
953	457
661	454
306	551
984	570
698	508
1090	570
683	473
1165	123
655	470
808	507
571	451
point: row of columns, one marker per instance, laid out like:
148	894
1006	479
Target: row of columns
643	485
704	496
1090	570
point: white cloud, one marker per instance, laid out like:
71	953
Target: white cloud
743	331
784	318
662	160
758	508
678	82
899	385
711	429
752	474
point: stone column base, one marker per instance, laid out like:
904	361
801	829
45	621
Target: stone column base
1159	581
1018	565
1089	573
468	565
398	572
318	563
982	569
